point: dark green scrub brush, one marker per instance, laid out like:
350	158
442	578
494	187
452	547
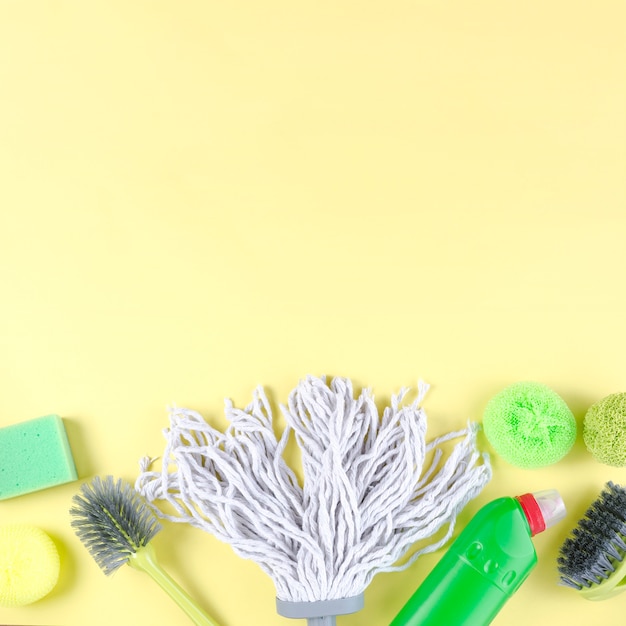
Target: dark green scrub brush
116	526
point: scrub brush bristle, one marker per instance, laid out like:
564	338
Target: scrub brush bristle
116	525
113	522
592	559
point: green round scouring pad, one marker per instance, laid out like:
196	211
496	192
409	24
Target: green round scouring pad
529	425
29	564
604	430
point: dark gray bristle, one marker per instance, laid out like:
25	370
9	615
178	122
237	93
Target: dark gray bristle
112	520
594	548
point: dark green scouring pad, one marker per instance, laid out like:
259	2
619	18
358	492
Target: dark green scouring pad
529	425
604	430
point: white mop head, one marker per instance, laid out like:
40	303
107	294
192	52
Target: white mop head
366	498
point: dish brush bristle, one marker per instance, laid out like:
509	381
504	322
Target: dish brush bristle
113	521
596	547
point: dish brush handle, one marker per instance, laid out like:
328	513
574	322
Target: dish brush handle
145	560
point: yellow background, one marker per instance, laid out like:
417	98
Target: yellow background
200	197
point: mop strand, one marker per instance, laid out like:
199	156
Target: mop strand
368	492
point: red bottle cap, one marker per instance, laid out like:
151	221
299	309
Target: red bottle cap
542	509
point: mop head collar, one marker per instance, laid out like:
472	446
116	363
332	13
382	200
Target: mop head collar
372	487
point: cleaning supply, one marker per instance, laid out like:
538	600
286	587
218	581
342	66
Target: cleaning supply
34	455
592	558
371	488
29	564
485	565
604	430
116	526
529	425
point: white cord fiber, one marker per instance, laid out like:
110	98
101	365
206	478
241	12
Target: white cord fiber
368	494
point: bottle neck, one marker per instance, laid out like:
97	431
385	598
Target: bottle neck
533	513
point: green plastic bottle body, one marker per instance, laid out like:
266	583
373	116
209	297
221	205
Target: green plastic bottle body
480	571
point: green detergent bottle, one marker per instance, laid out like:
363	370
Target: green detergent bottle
485	565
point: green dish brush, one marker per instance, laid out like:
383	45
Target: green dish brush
592	559
114	523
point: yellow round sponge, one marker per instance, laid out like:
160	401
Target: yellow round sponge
29	564
604	430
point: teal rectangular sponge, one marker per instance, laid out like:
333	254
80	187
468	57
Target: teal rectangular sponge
34	455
